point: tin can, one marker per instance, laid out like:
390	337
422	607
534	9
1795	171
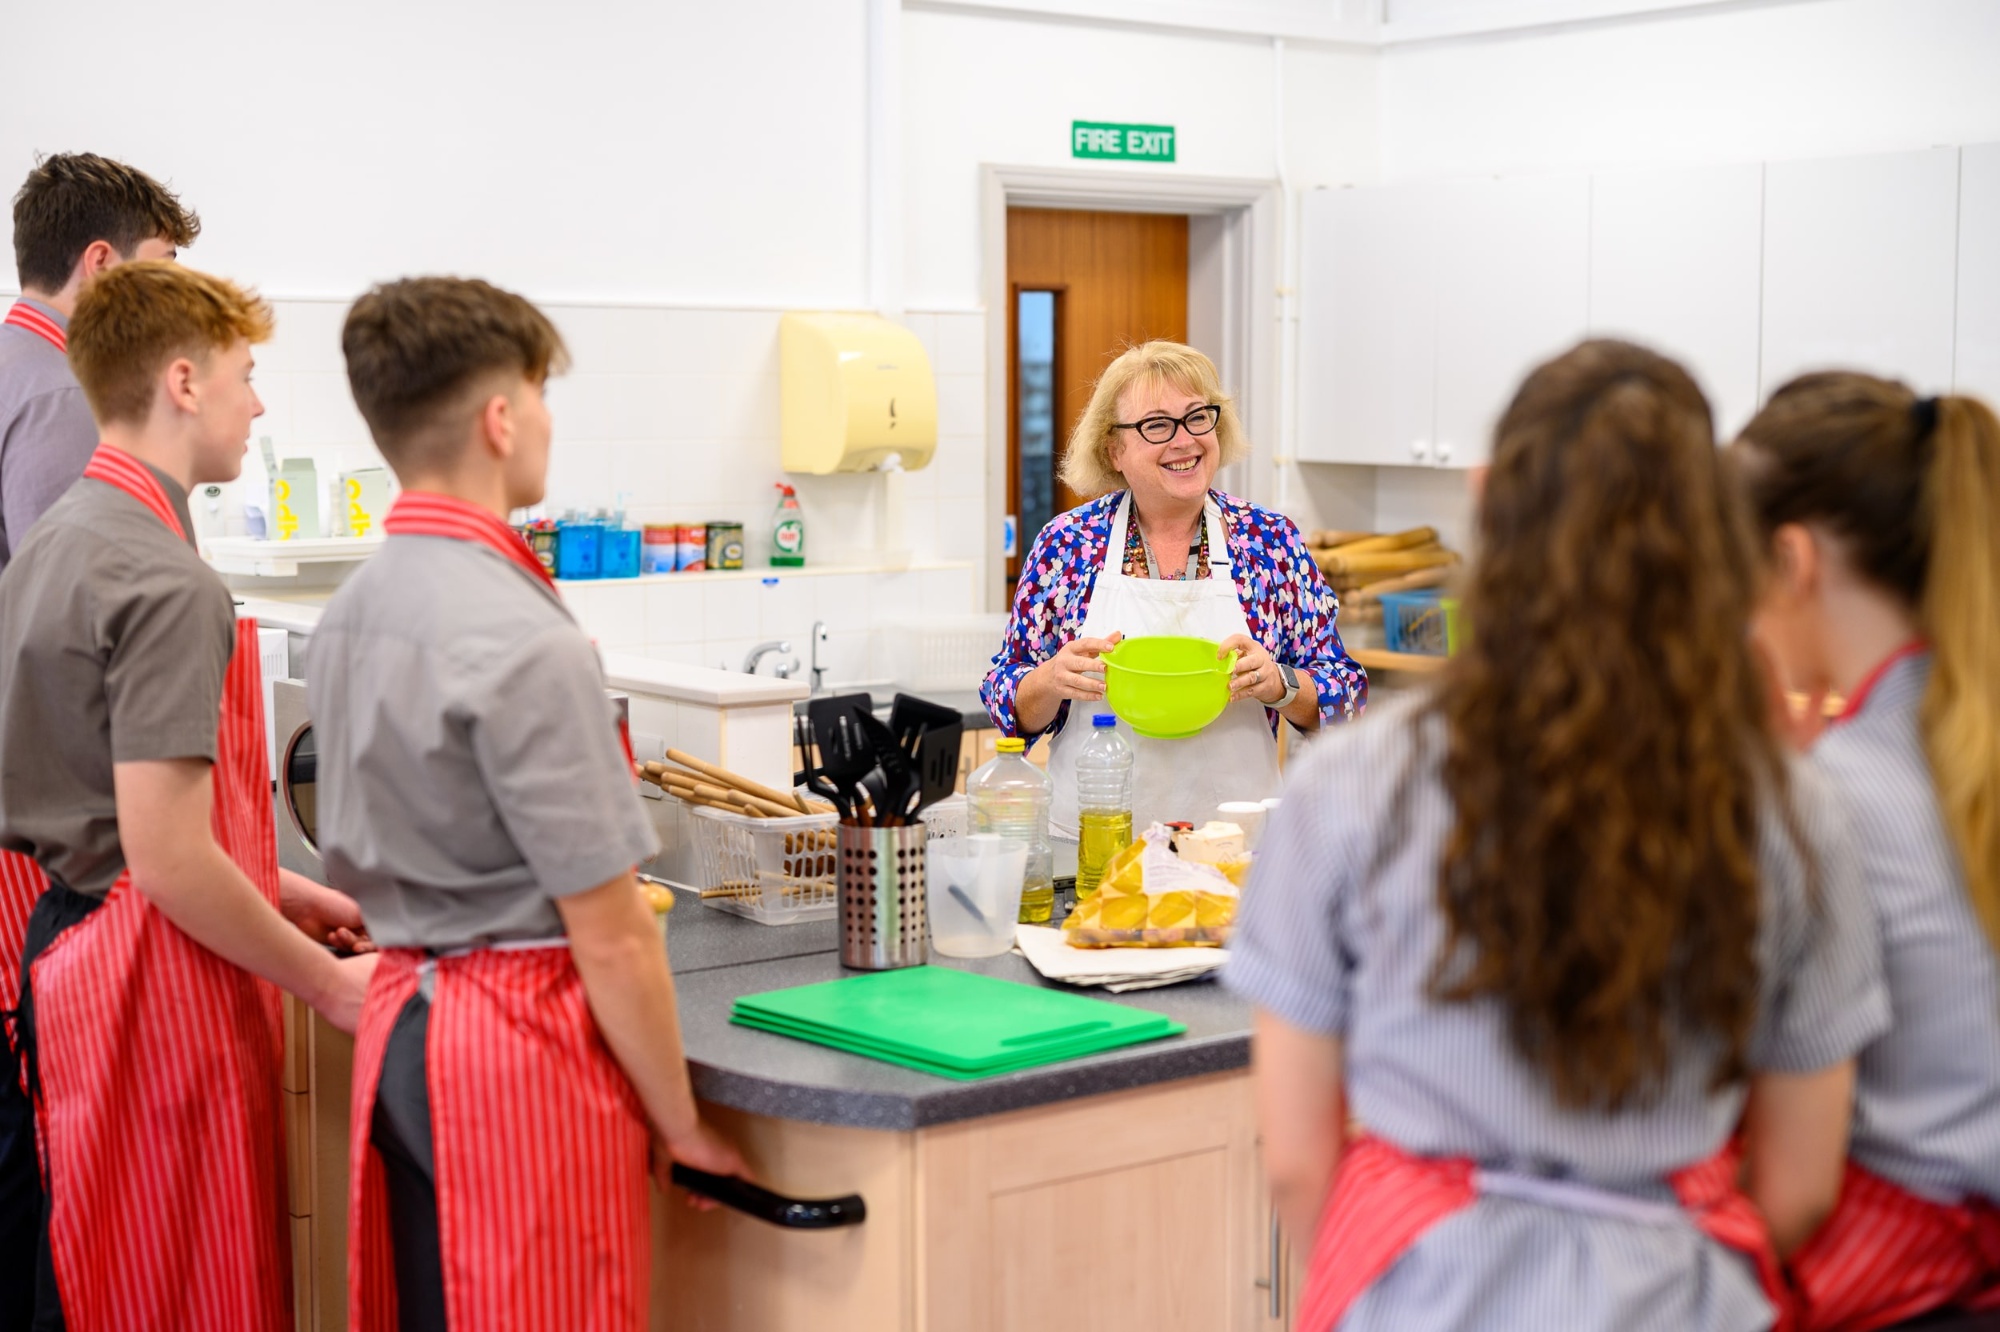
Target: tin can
541	539
659	548
725	545
691	548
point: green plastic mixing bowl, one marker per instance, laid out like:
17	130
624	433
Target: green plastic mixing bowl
1167	688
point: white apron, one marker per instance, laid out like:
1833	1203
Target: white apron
1234	758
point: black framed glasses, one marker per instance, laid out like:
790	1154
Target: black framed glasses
1161	429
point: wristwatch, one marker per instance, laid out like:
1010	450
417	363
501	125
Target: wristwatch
1291	679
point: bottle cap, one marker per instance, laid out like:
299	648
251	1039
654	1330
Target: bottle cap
1012	745
1104	721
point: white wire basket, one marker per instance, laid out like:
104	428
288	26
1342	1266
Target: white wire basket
949	817
946	652
774	871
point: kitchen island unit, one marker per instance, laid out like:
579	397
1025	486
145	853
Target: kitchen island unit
1117	1191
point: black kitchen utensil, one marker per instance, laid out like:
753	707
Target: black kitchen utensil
937	764
898	783
846	755
791	1213
821	712
930	733
813	777
910	717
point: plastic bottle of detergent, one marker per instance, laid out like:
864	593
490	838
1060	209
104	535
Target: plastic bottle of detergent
1104	801
1010	796
788	531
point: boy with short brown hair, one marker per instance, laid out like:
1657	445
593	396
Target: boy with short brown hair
133	771
476	801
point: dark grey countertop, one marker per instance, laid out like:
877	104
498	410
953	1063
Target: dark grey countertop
718	957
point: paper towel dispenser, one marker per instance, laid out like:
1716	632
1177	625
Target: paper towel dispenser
856	391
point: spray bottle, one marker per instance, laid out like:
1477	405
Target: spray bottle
788	531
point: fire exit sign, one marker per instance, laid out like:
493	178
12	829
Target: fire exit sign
1131	143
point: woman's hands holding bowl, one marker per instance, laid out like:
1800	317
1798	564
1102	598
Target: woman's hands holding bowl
1075	672
1256	675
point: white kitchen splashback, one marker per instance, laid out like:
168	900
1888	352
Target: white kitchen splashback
675	409
716	619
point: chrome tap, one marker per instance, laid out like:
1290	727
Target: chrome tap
818	671
783	670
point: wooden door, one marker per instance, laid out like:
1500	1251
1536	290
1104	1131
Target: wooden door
1104	281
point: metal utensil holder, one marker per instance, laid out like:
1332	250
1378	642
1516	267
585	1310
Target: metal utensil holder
883	923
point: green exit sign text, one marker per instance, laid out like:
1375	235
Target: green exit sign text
1133	143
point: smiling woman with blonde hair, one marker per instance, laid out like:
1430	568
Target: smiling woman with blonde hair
1156	550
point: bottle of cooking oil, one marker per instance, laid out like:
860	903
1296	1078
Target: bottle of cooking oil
1104	801
1010	796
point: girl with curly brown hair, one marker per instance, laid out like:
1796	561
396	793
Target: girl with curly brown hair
1880	514
1548	929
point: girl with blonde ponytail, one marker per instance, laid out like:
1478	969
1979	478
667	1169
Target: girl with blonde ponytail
1880	513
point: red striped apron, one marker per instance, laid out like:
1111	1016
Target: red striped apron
539	1140
160	1117
23	315
540	1144
21	882
1887	1255
1384	1199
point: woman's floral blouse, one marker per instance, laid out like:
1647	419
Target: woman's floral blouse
1290	608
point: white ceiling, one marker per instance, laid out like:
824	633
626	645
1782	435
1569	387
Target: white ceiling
1371	23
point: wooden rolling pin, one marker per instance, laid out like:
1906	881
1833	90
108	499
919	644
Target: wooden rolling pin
694	792
1416	536
1409	582
1385	562
1325	538
689	791
724	777
756	804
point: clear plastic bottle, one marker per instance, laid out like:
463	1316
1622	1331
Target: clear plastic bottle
1103	801
1010	796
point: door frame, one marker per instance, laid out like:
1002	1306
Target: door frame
1249	210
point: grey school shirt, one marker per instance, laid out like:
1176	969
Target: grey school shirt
1927	1094
114	640
46	431
1335	950
469	766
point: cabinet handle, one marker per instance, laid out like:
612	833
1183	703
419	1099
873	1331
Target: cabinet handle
791	1213
1275	1270
1420	450
1444	454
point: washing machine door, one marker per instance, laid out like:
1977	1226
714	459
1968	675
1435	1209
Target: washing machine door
295	792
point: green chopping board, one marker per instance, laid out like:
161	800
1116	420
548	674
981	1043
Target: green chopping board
951	1023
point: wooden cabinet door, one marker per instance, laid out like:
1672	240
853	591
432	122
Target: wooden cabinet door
1513	290
1129	1212
1675	259
1860	266
1367	325
1976	354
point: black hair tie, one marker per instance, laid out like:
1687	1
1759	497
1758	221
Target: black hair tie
1924	413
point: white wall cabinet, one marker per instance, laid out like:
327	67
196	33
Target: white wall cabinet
1513	290
1423	305
1367	325
1977	351
1675	264
1860	259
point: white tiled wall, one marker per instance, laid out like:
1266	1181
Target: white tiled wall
709	620
675	411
